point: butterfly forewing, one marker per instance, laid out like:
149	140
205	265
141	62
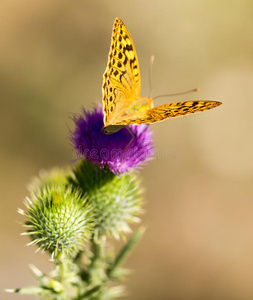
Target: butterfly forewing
121	83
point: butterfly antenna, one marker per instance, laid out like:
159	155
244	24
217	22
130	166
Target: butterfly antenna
150	74
180	93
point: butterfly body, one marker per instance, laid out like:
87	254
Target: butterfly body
122	103
138	107
110	129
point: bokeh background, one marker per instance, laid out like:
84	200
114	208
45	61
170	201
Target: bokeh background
199	188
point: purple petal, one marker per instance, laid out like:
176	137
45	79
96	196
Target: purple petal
111	151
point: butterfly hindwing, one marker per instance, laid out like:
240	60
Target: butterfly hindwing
121	83
171	110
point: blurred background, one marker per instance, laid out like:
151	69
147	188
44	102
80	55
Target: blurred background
199	188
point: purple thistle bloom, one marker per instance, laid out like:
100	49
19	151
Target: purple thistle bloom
111	151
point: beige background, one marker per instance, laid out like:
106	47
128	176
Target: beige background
199	189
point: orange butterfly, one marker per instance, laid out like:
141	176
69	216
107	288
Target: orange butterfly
122	103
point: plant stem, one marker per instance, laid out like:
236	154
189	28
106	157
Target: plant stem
96	269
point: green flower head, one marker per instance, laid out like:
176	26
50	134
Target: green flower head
115	200
59	219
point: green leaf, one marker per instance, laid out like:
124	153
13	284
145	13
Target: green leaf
33	290
125	251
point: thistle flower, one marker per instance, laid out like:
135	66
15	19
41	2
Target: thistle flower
59	220
115	200
115	151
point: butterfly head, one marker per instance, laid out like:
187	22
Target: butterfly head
110	129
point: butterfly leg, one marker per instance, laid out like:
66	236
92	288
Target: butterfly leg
132	135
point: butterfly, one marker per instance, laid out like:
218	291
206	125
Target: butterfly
122	103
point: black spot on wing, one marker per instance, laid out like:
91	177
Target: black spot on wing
128	48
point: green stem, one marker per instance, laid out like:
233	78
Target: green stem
97	269
62	263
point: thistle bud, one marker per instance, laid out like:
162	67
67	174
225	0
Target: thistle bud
56	176
115	200
59	219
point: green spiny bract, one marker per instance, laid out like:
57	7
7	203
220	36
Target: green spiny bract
115	200
59	219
